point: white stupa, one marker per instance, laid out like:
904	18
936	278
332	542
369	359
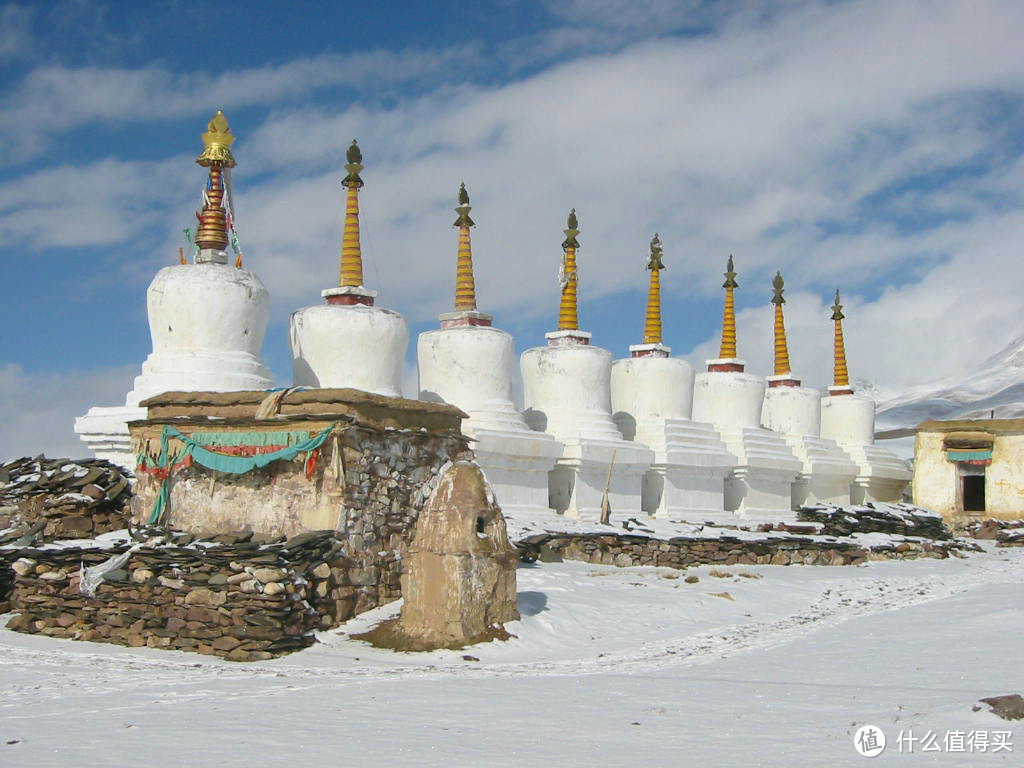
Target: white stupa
566	393
795	413
759	487
469	363
849	420
652	397
348	342
207	319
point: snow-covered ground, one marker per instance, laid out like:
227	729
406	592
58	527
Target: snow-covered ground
610	666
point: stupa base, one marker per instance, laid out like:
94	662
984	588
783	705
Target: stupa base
516	464
578	481
105	431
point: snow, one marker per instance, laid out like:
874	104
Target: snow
996	385
609	666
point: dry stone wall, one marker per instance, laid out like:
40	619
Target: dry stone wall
244	598
684	552
63	498
899	519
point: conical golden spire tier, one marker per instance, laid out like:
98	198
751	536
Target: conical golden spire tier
351	289
465	285
841	376
652	344
727	350
351	250
568	308
652	322
727	359
783	373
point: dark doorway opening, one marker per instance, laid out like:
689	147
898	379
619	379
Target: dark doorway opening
974	493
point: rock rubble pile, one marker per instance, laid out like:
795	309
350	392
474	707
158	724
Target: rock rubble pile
896	519
63	498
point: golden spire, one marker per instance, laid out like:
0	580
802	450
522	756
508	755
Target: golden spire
568	310
728	348
782	367
652	323
842	377
212	232
465	287
351	253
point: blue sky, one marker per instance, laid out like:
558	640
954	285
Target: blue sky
869	145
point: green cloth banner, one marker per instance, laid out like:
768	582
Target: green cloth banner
233	465
280	437
969	455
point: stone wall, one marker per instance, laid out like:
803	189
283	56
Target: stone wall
63	498
243	597
898	519
370	486
684	552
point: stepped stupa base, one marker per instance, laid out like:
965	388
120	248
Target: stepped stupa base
687	480
827	471
105	431
578	481
759	487
685	494
882	475
516	464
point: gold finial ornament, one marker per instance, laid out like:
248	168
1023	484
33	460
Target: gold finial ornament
218	140
568	309
727	351
354	164
782	366
841	377
465	286
212	231
652	322
351	250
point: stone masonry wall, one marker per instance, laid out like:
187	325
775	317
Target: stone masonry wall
242	597
63	498
631	550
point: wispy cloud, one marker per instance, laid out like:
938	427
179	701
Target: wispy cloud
824	140
15	30
38	410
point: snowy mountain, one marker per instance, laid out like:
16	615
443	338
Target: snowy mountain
996	389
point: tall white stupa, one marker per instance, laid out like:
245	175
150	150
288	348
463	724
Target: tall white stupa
348	342
652	396
849	420
207	319
759	487
795	413
469	363
566	393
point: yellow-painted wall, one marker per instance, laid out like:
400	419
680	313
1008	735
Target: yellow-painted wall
937	480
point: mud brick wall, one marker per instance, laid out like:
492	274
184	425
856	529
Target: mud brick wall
245	600
631	550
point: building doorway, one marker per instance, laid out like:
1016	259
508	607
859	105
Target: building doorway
974	492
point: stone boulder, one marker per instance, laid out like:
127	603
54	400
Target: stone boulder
459	584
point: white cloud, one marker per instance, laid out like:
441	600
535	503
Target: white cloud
15	30
803	143
38	410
